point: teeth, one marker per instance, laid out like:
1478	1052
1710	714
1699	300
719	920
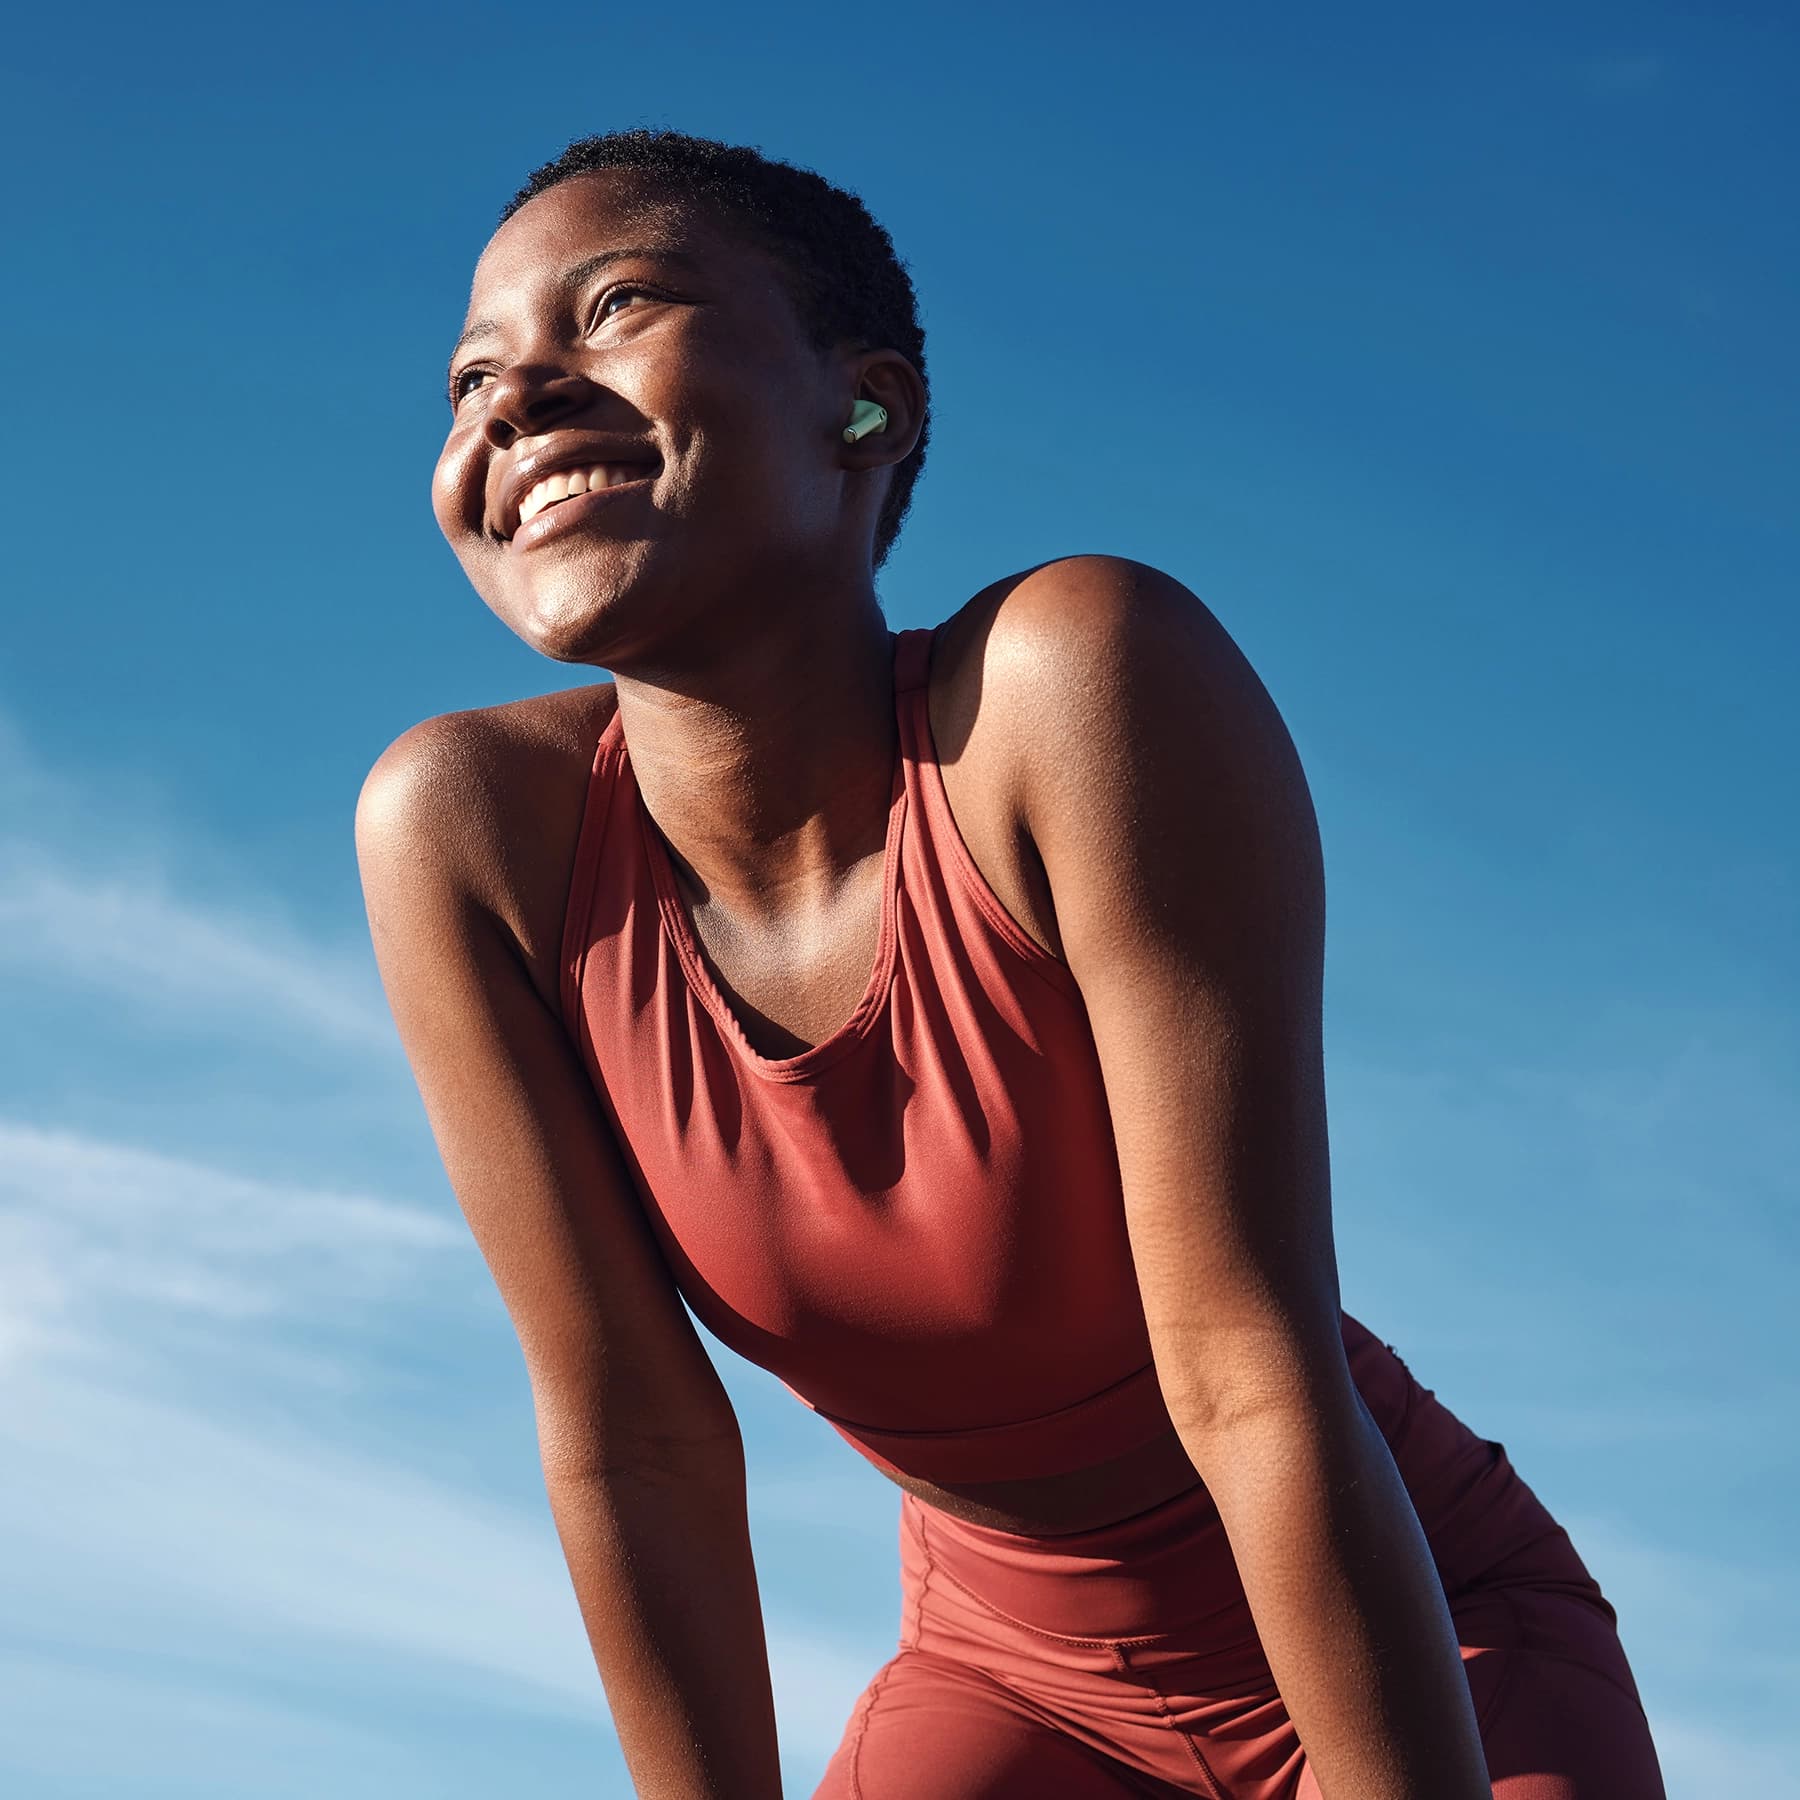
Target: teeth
567	482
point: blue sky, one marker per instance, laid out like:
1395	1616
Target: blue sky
1447	353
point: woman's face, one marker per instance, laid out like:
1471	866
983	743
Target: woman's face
656	361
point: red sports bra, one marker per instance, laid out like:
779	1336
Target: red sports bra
917	1223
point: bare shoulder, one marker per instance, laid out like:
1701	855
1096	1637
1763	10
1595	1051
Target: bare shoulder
1019	674
1082	626
1078	657
1089	691
488	801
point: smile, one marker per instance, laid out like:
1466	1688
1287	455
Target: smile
565	484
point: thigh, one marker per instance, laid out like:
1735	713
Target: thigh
1554	1697
929	1728
1560	1714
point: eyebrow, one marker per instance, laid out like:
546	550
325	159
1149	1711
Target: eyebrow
568	281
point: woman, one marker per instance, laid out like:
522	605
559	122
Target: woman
941	1016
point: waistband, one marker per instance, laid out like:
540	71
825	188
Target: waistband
1171	1567
1118	1419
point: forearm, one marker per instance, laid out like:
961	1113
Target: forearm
1348	1605
664	1575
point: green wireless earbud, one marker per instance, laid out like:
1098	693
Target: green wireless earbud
865	417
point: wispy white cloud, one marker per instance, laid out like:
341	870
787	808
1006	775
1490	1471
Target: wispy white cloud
132	1520
93	1235
181	1731
248	1535
91	902
125	1509
137	1511
149	1500
128	935
126	1276
177	1734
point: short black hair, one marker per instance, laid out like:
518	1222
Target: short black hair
847	280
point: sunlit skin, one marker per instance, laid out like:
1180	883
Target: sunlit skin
731	594
1124	786
757	709
693	348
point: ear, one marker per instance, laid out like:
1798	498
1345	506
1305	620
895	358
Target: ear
887	378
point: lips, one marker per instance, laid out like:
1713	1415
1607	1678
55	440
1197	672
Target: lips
560	472
565	484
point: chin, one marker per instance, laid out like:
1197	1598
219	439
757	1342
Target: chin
570	634
577	615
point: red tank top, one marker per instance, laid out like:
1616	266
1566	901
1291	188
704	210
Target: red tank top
916	1224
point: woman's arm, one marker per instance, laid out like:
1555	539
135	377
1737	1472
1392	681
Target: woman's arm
641	1452
1168	806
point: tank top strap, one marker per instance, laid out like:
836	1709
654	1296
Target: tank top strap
912	658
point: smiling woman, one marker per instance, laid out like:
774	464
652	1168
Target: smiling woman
939	1015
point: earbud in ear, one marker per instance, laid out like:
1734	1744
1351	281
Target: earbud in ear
865	417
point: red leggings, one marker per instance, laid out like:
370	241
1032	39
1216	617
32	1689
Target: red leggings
1124	1661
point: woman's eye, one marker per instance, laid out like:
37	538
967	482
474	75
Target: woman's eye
464	385
606	307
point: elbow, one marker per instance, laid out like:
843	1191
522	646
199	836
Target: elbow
1270	1410
1289	1447
575	1454
660	1466
1211	1421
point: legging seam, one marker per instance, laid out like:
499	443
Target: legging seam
862	1726
1488	1714
1114	1647
1575	1662
918	1599
1211	1781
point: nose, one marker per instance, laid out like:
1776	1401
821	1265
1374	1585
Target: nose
526	399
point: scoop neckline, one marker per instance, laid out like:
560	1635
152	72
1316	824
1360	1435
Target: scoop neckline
678	927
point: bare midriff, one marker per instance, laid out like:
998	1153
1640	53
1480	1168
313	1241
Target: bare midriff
1083	1500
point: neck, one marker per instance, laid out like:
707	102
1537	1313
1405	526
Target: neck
768	764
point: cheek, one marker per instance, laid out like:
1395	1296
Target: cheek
456	499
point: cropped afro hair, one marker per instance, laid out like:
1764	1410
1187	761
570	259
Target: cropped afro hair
847	280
